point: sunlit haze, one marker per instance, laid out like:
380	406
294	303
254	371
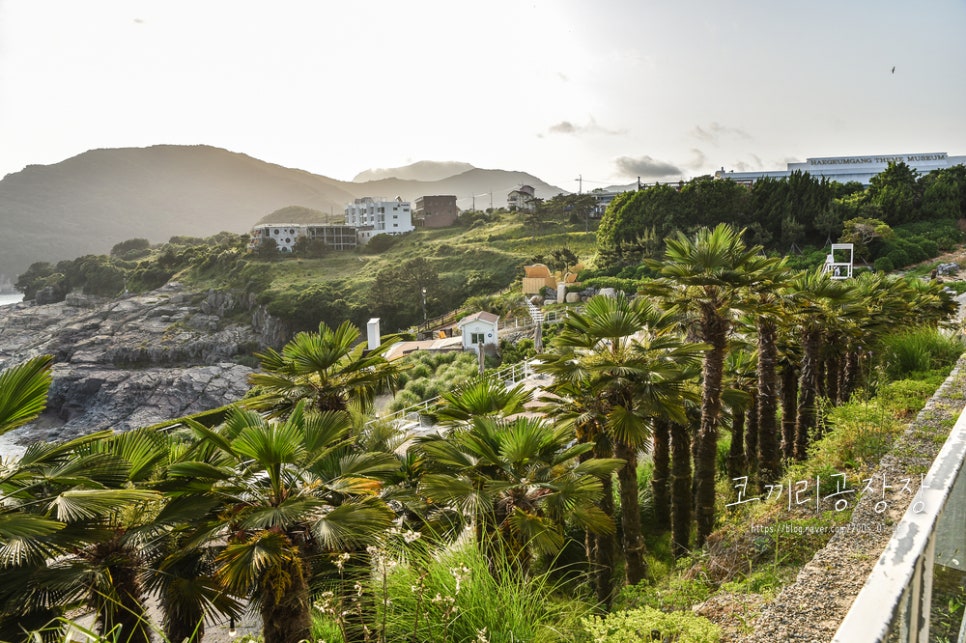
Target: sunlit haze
606	90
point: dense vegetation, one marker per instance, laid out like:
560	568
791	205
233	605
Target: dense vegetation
473	260
735	366
900	219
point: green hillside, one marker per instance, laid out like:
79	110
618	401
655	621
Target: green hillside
482	255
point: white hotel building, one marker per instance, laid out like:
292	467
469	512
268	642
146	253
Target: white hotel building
371	217
850	168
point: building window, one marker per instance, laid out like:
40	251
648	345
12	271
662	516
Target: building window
476	338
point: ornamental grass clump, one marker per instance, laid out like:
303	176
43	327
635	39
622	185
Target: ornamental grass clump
456	596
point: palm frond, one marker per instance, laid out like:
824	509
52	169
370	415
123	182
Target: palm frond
23	392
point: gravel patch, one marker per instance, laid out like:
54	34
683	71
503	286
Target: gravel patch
811	608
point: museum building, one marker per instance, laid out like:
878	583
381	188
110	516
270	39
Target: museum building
850	168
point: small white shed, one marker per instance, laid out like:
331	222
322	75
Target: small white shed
479	328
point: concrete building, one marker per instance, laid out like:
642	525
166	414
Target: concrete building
371	217
438	211
480	329
335	237
521	198
286	235
843	169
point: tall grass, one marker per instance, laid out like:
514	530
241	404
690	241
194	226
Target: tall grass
454	596
918	351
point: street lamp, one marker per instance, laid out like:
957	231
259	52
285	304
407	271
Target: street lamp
424	304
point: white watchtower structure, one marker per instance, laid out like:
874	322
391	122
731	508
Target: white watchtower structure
838	263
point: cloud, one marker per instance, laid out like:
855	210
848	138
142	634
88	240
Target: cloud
647	167
698	159
568	127
715	131
563	127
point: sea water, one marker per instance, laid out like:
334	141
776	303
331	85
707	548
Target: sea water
10	298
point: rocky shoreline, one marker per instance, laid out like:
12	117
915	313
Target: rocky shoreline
134	361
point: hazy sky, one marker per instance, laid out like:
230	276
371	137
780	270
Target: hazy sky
559	88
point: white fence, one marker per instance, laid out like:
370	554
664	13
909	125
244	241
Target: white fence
898	599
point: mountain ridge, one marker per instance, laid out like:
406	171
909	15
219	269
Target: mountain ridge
87	203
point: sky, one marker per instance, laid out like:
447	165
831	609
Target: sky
604	91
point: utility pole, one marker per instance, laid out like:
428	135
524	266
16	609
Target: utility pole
580	183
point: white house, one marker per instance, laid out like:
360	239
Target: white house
521	198
284	234
479	329
371	217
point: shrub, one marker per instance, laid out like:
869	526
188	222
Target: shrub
907	397
380	243
898	257
454	596
130	247
679	593
860	434
432	374
883	264
648	624
928	246
917	351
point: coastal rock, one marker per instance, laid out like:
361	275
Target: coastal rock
138	360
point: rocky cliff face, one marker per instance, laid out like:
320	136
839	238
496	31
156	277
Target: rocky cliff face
138	360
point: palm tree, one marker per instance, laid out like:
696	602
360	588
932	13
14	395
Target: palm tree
66	512
282	494
583	415
520	481
661	473
767	299
623	353
329	369
483	395
742	380
705	275
820	303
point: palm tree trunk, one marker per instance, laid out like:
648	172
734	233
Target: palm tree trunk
751	435
715	330
680	490
285	604
661	455
737	462
769	458
789	397
630	514
119	608
832	371
850	374
604	550
807	392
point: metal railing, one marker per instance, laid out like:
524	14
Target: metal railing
902	593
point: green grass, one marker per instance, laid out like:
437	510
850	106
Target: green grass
453	596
